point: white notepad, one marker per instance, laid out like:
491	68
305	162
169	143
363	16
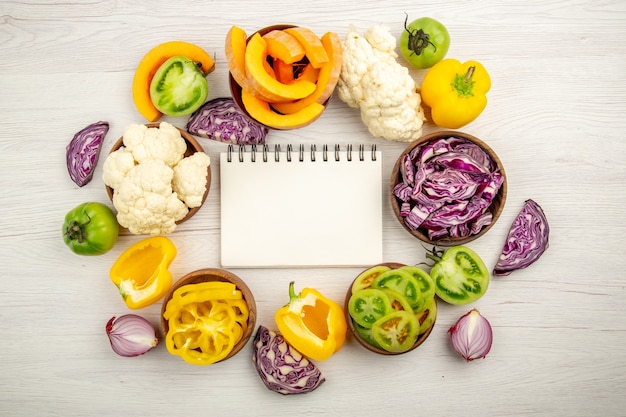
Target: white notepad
307	206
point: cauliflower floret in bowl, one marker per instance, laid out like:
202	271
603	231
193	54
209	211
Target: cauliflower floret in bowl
145	192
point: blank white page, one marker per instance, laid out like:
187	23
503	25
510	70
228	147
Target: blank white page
301	212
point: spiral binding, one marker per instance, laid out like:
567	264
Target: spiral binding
265	151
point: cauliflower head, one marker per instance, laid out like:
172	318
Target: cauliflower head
164	142
154	184
116	167
373	81
145	201
189	180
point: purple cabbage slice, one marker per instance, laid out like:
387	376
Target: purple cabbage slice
282	368
83	151
527	240
222	120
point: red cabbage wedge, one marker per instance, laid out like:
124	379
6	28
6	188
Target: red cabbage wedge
221	119
83	151
527	240
282	368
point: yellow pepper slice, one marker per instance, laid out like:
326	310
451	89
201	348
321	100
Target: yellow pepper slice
205	322
455	92
141	272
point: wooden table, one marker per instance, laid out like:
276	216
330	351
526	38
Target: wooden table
556	117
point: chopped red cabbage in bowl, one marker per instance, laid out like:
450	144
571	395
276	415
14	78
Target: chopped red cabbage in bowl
448	188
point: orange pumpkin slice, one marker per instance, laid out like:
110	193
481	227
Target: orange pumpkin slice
309	73
315	51
327	79
151	62
283	46
284	71
261	111
235	51
263	83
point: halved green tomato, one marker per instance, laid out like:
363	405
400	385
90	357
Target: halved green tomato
397	331
402	282
460	276
178	88
365	278
368	305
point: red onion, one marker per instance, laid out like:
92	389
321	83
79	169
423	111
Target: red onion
471	336
526	241
131	335
282	368
81	154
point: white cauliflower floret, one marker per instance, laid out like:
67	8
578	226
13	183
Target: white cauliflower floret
164	142
190	178
145	201
116	166
372	80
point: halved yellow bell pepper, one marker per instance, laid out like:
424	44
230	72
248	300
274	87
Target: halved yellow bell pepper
141	272
455	92
312	324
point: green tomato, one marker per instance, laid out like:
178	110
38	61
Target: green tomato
426	286
424	42
366	334
401	281
368	305
365	278
178	88
460	275
90	229
397	331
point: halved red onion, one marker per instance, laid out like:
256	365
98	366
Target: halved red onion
471	336
526	241
131	335
83	151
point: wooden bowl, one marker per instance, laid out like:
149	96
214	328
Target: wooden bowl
235	89
221	275
192	147
421	338
495	208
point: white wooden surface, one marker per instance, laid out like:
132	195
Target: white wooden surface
556	117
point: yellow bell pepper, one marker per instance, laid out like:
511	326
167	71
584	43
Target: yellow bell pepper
312	324
205	321
455	92
141	272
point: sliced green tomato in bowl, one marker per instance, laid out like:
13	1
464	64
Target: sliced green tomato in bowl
428	316
402	282
366	334
397	331
368	305
365	278
178	88
398	301
460	276
426	286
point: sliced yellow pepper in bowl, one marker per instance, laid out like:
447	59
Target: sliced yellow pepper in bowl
141	272
455	92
